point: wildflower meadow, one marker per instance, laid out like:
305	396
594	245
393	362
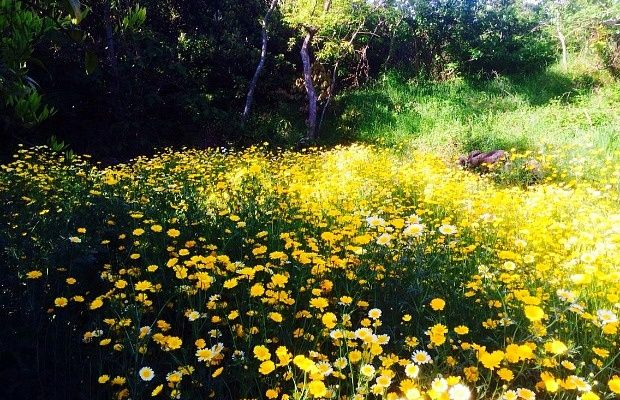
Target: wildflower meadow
351	273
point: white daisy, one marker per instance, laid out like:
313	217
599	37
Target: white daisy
146	373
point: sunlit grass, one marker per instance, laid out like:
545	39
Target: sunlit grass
525	113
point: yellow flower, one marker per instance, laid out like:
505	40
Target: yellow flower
144	286
172	343
231	283
600	352
412	371
367	370
471	374
319	302
590	396
611	328
279	279
95	304
304	363
346	300
461	330
374	313
119	380
61	302
34	274
614	384
267	367
260	250
157	390
180	272
138	232
568	365
233	314
284	357
217	372
329	320
156	228
103	379
491	360
257	290
556	347
173	233
534	313
437	334
550	382
438	304
262	353
275	316
505	374
355	356
317	388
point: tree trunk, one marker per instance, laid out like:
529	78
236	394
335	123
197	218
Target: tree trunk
562	43
261	64
332	85
305	58
330	93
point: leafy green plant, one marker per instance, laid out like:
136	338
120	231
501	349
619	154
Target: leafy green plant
21	29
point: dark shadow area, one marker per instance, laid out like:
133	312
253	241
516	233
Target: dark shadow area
356	109
542	88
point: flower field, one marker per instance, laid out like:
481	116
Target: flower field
351	273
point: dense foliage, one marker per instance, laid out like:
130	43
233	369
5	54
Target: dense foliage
119	77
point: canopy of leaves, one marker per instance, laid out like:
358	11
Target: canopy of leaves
124	77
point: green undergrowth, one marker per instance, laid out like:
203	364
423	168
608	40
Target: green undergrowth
523	113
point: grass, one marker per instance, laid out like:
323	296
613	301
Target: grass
528	112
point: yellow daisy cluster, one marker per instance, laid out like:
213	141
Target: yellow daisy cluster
350	273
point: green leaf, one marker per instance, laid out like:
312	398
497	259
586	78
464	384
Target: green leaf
91	61
76	35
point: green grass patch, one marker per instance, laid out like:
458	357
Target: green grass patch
523	112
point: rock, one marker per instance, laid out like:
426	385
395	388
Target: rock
482	160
